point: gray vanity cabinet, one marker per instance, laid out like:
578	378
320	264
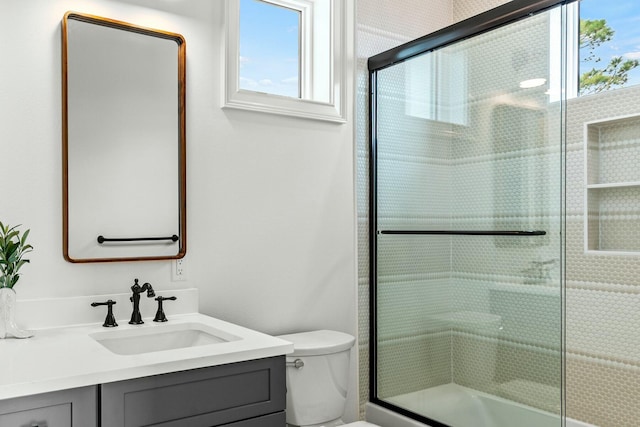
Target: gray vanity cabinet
66	408
243	394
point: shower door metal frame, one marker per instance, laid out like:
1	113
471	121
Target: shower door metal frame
502	15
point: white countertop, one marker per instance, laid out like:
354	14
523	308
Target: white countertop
67	357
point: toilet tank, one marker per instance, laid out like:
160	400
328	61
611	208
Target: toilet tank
317	392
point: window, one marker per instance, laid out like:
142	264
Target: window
287	57
270	48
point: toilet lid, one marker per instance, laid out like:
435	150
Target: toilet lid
317	343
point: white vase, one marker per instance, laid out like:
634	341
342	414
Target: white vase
8	327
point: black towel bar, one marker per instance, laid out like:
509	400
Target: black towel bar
469	232
102	239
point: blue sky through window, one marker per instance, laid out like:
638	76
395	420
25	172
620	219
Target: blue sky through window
269	48
623	16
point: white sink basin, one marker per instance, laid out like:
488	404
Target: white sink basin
160	337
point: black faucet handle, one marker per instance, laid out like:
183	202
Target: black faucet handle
150	292
160	316
110	320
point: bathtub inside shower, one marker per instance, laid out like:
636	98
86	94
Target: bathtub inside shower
455	406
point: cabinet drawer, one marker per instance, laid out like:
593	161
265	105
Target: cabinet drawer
52	416
65	408
200	397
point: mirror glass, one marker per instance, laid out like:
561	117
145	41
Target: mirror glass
123	141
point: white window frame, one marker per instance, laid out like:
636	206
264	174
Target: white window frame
564	56
314	84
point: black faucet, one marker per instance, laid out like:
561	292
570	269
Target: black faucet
136	317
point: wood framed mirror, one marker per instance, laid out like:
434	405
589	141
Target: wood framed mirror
123	141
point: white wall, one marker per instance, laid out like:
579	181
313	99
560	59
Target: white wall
271	215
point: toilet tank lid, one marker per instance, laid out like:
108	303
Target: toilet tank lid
317	343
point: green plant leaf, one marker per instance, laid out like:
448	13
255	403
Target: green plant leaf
13	257
10	249
24	237
12	234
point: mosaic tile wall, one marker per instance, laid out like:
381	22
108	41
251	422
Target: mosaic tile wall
603	290
463	9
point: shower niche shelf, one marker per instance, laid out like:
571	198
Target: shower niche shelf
612	185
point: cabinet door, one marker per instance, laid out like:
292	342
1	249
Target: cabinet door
198	398
66	408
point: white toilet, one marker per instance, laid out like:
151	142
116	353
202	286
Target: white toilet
317	378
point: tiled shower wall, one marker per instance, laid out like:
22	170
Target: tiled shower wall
603	291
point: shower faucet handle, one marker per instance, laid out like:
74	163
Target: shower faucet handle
541	269
546	267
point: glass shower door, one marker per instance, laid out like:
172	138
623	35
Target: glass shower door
467	221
